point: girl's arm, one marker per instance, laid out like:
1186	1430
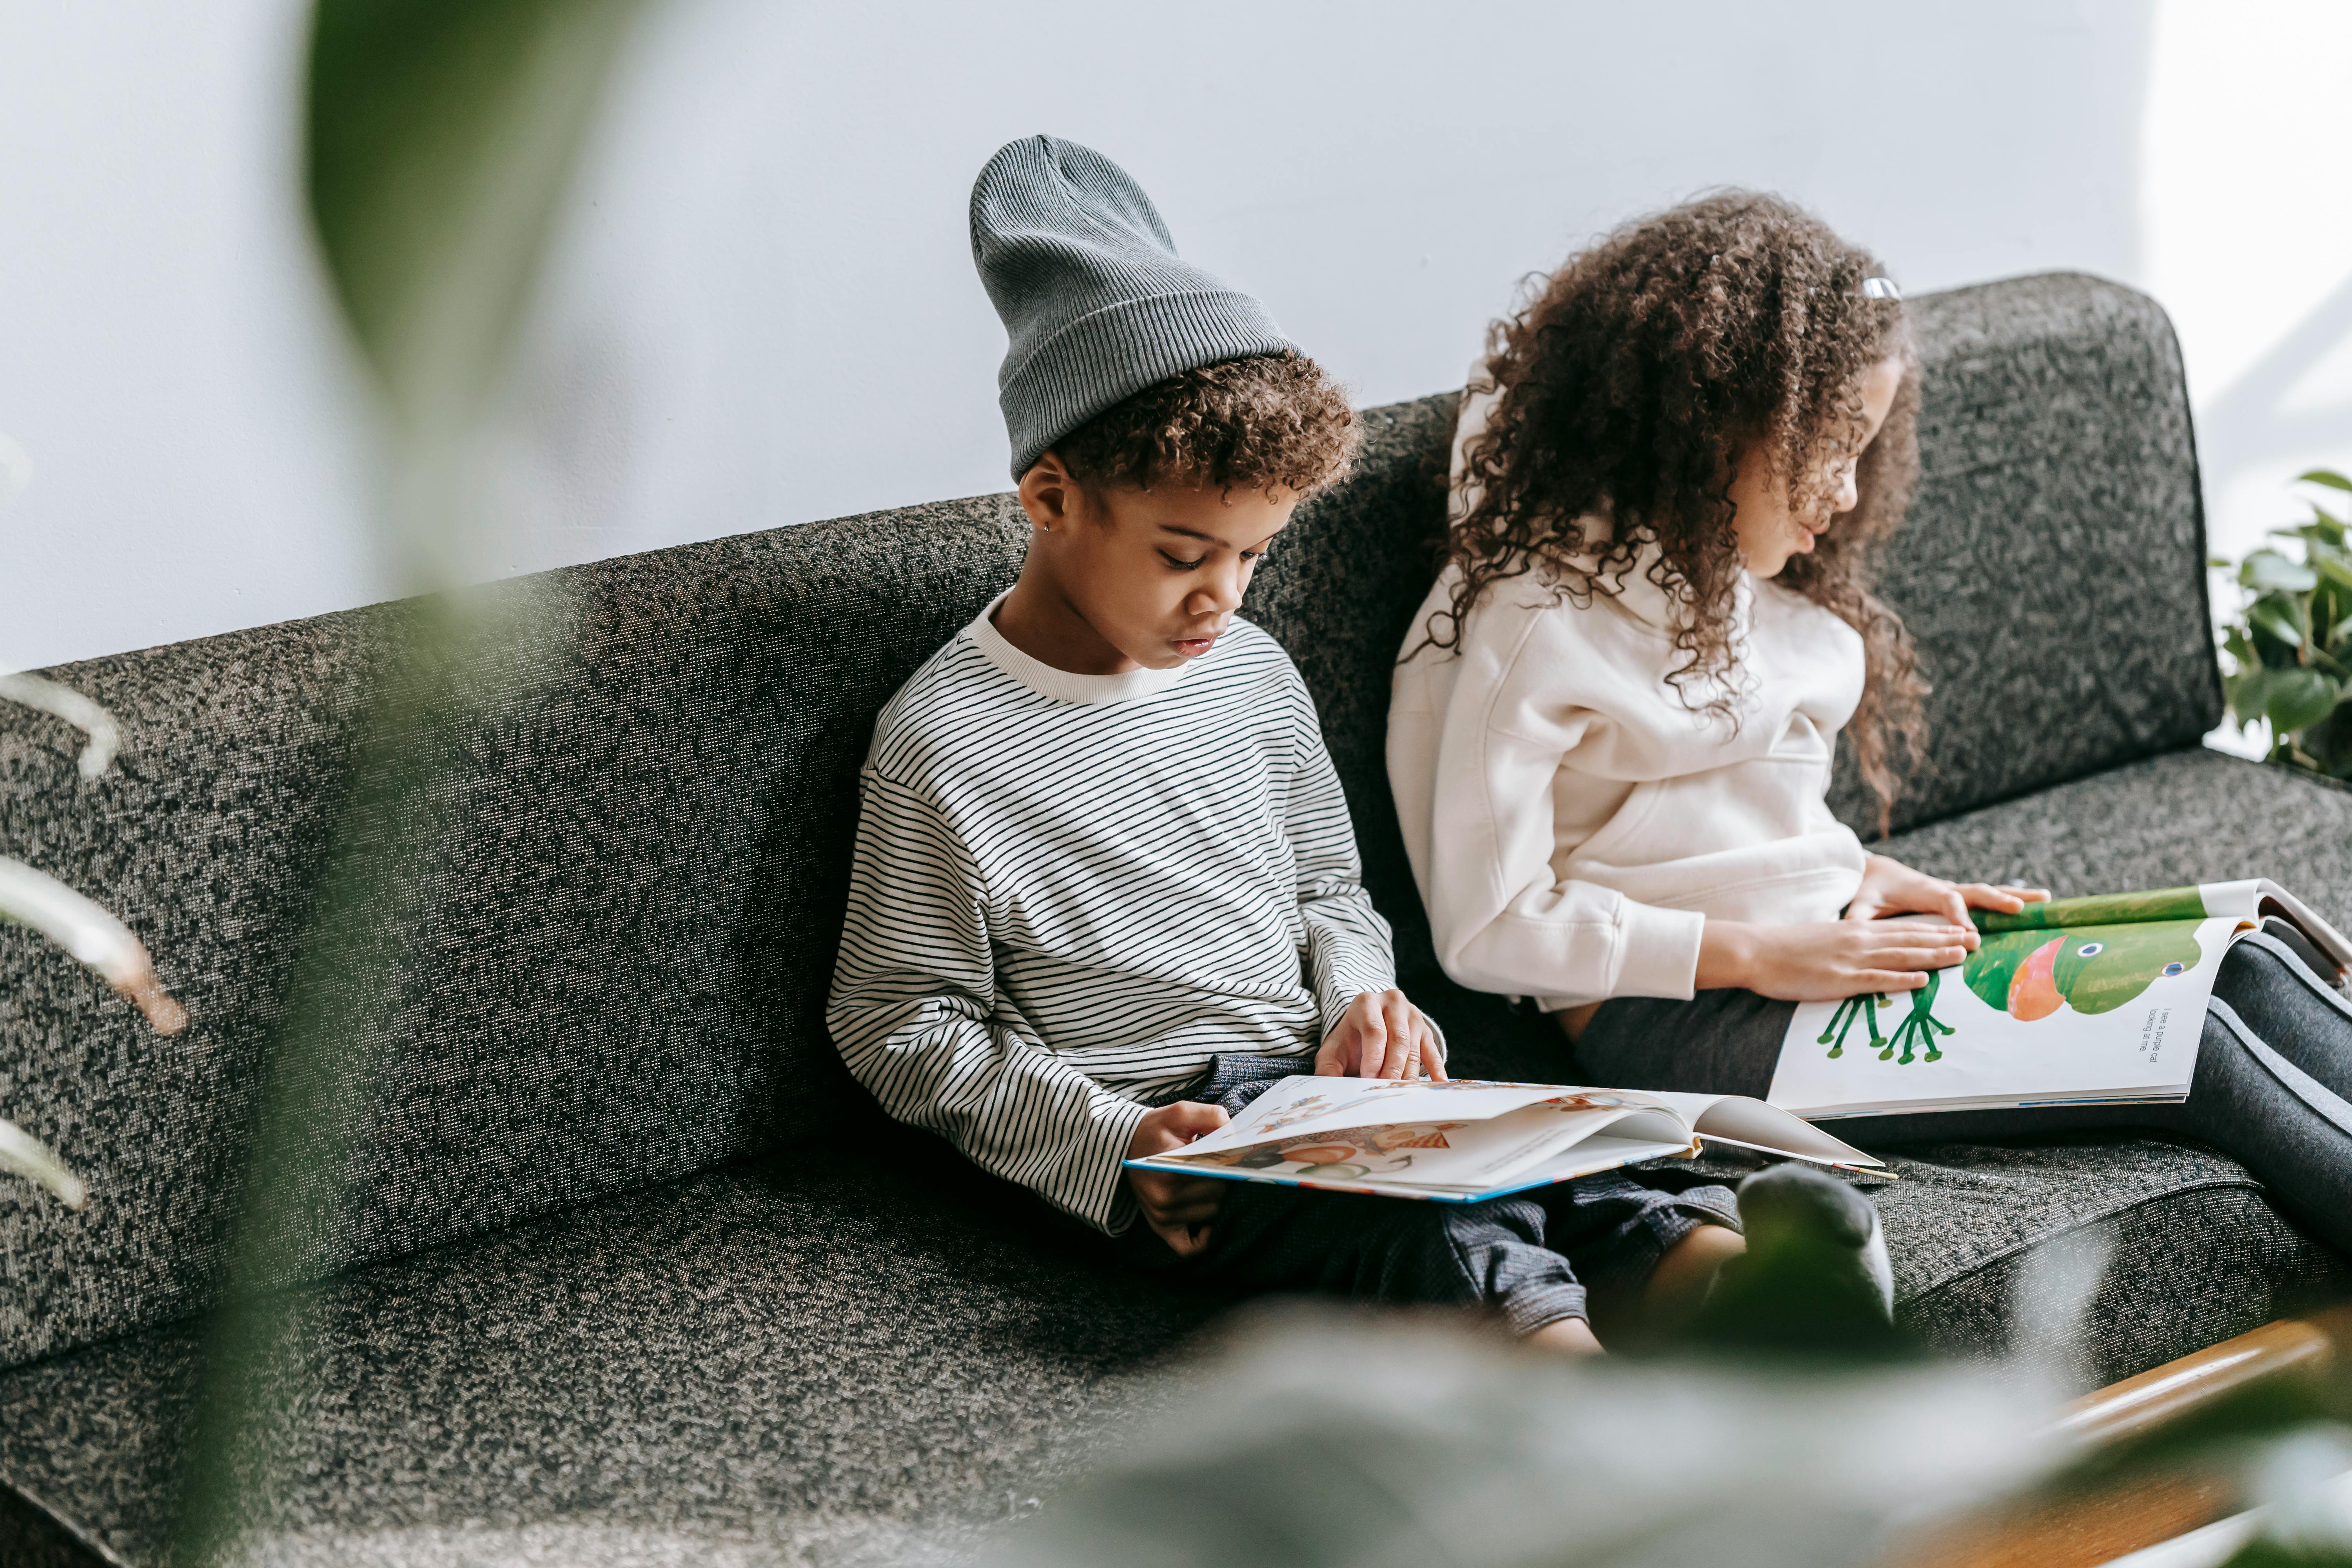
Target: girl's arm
1473	757
1864	952
1827	961
1474	799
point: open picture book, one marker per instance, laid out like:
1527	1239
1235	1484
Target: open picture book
1465	1140
2076	1002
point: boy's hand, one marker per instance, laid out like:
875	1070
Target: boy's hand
1382	1035
1891	888
1177	1208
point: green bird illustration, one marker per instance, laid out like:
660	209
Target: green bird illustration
1853	1010
1922	1026
2030	975
1919	1026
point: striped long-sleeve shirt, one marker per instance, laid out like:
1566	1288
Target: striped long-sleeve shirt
1069	891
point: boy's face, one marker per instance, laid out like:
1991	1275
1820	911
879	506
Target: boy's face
1155	575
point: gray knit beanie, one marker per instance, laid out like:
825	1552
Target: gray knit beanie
1094	297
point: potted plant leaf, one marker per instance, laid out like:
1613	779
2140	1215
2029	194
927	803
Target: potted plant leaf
2290	639
83	928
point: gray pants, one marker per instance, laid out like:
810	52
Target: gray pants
1531	1258
2273	1085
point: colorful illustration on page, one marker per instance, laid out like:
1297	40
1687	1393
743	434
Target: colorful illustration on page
2030	975
1355	1151
1918	1028
1313	1105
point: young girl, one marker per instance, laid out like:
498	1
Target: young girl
1614	717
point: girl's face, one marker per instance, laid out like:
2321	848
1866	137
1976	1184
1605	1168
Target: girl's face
1769	525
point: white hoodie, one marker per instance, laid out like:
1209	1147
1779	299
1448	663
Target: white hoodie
1572	823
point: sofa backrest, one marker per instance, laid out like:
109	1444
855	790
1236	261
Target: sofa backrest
625	852
622	862
2052	567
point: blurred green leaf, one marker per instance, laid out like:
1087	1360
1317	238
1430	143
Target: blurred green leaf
2328	477
2279	617
2334	568
2267	571
441	135
2296	699
2321	530
2263	1553
2248	693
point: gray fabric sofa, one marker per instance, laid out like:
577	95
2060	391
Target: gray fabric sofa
622	1267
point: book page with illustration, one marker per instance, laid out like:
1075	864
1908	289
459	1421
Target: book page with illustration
1467	1140
2078	1001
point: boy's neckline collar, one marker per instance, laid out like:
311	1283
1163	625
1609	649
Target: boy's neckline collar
1065	684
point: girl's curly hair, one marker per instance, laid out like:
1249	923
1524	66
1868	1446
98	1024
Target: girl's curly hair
1627	391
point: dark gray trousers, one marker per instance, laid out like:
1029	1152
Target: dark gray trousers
1532	1258
2273	1085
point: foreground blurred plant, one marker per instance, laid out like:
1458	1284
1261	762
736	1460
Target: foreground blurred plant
440	140
1773	1435
2290	640
84	928
1323	1439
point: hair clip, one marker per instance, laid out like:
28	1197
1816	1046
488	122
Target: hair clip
1880	289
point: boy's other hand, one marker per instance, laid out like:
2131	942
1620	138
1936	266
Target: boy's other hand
1382	1035
1177	1208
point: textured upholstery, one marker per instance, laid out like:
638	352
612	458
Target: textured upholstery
764	1365
2053	568
2192	1253
799	1366
2192	816
559	1307
622	874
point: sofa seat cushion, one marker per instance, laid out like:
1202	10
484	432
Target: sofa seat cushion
2193	815
2184	1248
766	1363
2212	1257
763	1361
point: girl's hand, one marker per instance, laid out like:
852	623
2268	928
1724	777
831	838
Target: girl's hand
1828	960
1890	888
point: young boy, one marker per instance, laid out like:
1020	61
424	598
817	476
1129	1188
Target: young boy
1105	887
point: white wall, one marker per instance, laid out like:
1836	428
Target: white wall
766	311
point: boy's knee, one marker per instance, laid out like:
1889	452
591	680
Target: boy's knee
1519	1220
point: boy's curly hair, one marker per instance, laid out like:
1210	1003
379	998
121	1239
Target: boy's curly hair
1268	422
1628	391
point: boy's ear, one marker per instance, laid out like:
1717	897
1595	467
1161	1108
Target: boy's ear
1049	495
